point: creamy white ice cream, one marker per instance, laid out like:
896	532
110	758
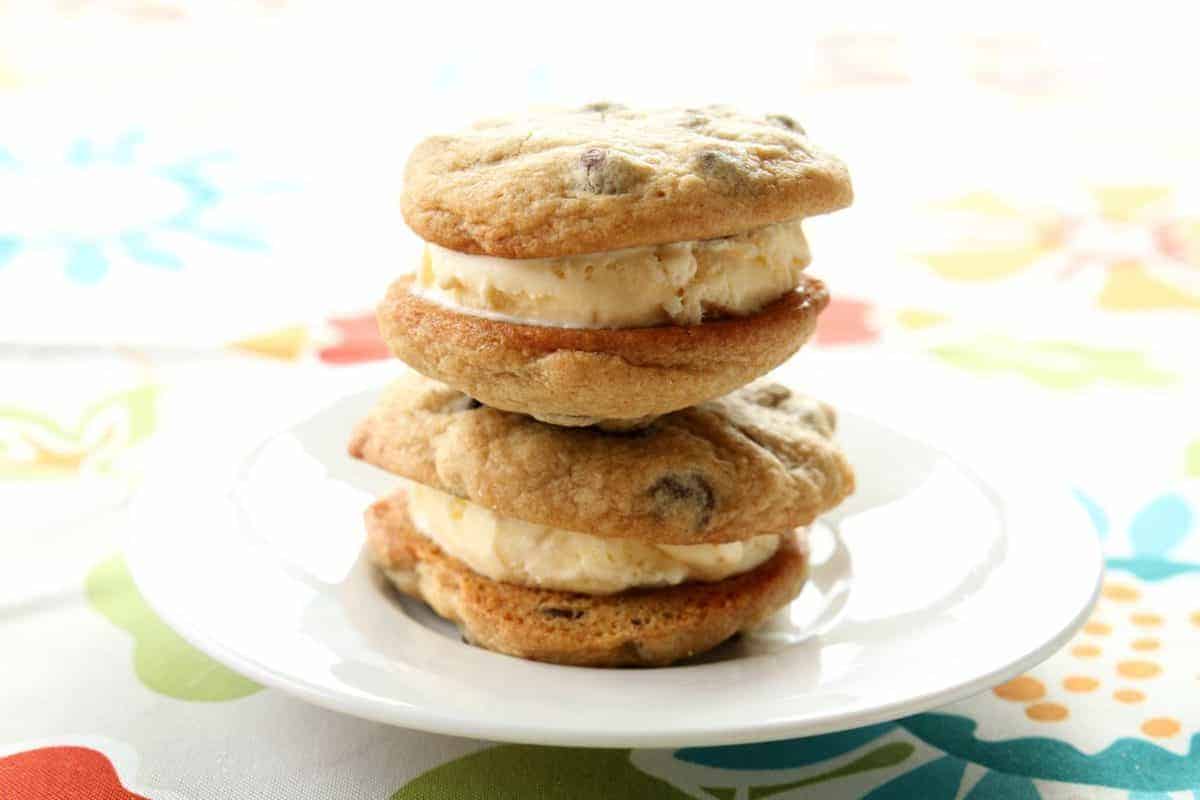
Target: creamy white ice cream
512	551
679	283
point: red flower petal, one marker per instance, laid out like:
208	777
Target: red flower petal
360	341
846	322
62	773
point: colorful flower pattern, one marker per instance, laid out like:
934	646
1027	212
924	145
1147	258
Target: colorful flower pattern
1147	247
847	321
1100	719
358	341
35	445
73	769
162	205
162	660
1053	364
50	773
1008	743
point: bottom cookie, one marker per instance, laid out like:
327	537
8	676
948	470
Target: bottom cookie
645	627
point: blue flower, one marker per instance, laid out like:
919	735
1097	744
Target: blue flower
100	202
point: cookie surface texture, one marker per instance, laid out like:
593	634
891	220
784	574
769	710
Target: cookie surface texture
602	177
760	460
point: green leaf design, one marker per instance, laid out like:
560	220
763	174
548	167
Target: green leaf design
1191	460
138	406
45	464
889	755
162	660
519	772
141	406
1054	364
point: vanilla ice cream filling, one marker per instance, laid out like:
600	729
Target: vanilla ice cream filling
680	283
512	551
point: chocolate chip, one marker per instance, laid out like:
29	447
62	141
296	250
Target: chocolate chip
456	403
624	433
602	107
688	493
609	172
720	166
592	162
593	157
563	613
784	121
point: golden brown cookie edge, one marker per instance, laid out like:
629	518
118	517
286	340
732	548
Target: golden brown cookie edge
603	374
652	627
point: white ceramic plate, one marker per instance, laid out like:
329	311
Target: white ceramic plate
930	584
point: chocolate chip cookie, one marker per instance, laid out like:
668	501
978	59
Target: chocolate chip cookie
592	474
563	181
606	265
760	460
651	627
620	378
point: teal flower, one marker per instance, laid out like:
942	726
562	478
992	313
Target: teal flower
947	757
1157	529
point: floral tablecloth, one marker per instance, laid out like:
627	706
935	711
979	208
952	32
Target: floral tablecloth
1021	273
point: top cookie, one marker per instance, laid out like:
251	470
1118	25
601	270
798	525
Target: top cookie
759	460
562	182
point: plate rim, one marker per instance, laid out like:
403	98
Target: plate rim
405	713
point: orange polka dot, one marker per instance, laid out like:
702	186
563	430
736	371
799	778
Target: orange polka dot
1080	683
1161	727
1022	689
1046	712
1138	669
1098	628
1148	643
1128	696
1120	593
1146	619
1085	651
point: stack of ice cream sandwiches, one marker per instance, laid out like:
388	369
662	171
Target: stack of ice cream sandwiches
592	474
